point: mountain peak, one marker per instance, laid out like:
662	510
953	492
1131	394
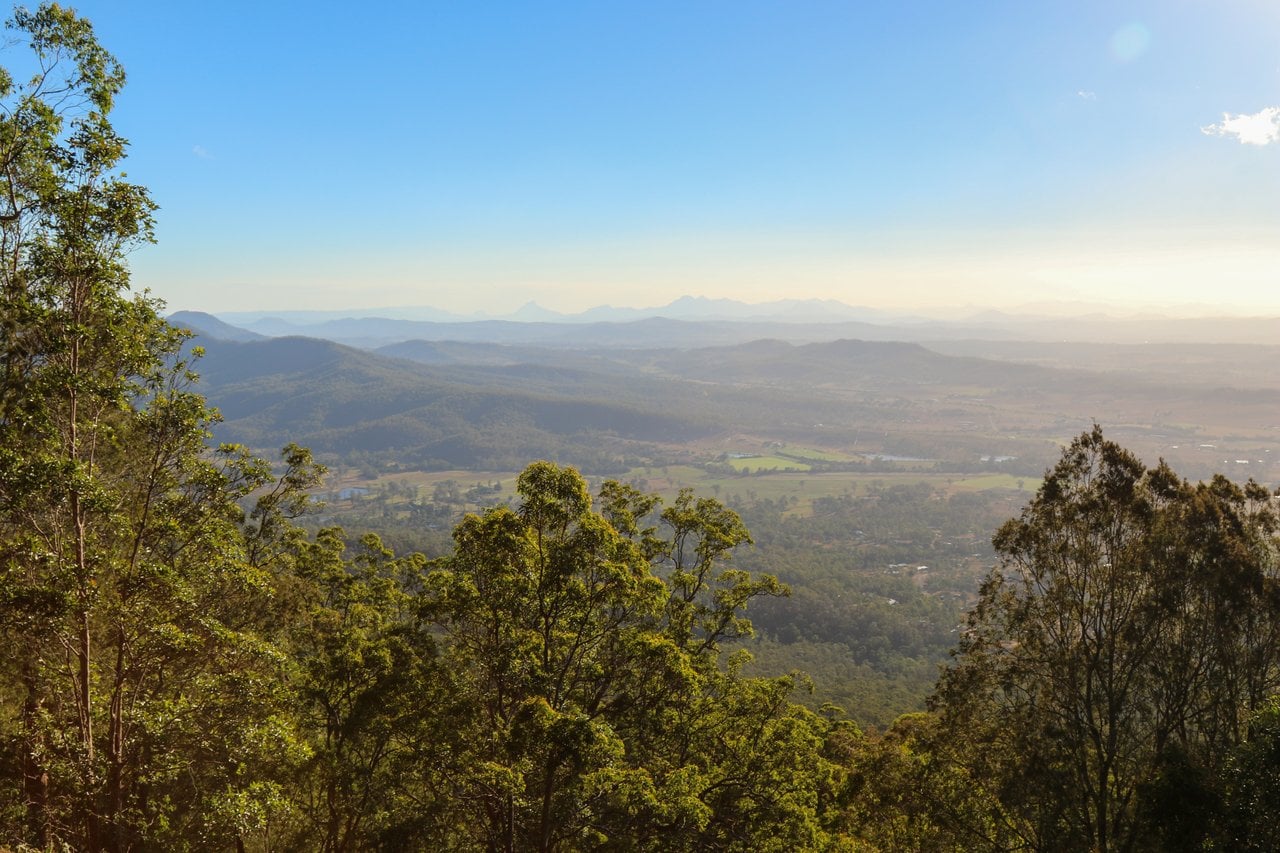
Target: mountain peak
210	327
532	312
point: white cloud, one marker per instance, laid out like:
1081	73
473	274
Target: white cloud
201	152
1261	128
1088	96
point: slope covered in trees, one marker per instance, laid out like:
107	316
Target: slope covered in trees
440	405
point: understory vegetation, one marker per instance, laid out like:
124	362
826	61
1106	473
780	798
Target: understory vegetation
188	667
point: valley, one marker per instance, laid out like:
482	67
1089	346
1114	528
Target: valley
872	473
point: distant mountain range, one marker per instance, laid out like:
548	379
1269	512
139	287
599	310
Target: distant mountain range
684	308
609	396
661	332
691	322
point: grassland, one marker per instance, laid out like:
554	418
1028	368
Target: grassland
797	488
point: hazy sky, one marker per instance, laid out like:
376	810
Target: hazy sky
474	156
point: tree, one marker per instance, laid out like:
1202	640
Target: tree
374	705
546	608
142	698
1251	820
588	645
1128	629
905	790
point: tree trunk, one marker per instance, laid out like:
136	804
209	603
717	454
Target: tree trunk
115	766
35	779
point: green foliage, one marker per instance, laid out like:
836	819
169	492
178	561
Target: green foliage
364	685
1251	820
595	712
908	790
142	701
1112	658
863	620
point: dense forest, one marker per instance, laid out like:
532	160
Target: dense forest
188	667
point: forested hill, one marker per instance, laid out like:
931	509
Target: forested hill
463	404
345	401
208	327
765	361
485	405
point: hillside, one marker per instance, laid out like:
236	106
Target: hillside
209	327
344	402
468	404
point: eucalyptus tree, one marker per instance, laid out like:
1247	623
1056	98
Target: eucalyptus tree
587	645
1251	794
1128	633
140	700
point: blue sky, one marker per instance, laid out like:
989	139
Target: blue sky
907	155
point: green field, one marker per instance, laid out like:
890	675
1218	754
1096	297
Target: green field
799	488
797	452
751	464
983	482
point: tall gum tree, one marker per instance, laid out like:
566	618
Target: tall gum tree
1128	634
588	643
139	698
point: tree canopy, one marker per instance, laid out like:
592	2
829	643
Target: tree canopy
1118	653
